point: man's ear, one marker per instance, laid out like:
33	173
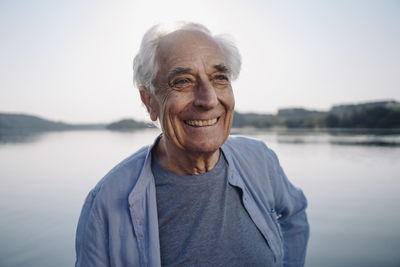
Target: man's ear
150	103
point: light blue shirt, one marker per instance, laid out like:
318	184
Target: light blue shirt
118	225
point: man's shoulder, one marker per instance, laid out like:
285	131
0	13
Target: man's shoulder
250	154
120	180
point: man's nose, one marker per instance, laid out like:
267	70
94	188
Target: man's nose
206	96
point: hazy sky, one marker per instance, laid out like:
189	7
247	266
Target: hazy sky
72	60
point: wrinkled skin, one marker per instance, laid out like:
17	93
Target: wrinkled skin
193	101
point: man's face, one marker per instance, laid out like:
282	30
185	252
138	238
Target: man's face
194	98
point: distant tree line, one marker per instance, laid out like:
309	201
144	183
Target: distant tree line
22	123
373	115
365	116
128	124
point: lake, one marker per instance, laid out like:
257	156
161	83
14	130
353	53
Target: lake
351	180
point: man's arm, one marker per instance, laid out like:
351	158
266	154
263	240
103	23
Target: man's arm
91	241
290	205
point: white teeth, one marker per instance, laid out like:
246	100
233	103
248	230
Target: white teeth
200	123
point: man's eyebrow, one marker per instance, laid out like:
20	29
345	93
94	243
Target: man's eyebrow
222	68
182	70
177	71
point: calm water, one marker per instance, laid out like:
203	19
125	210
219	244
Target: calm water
352	182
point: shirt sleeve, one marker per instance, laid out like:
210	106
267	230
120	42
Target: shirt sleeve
91	241
290	206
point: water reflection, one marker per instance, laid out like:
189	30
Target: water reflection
19	137
359	137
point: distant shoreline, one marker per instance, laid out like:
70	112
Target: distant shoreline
366	116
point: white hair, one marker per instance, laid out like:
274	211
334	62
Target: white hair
145	65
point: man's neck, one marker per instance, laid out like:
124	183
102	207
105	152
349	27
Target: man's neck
184	162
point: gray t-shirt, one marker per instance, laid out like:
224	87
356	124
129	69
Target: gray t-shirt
202	221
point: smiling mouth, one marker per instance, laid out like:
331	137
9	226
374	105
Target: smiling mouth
201	123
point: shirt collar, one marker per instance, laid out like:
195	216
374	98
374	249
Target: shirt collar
146	177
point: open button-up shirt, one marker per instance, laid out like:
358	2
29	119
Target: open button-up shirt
118	225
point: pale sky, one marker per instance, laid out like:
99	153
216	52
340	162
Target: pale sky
72	60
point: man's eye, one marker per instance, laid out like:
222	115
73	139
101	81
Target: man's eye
221	77
181	81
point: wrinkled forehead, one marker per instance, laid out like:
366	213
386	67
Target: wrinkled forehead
184	45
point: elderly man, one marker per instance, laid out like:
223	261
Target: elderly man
196	197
